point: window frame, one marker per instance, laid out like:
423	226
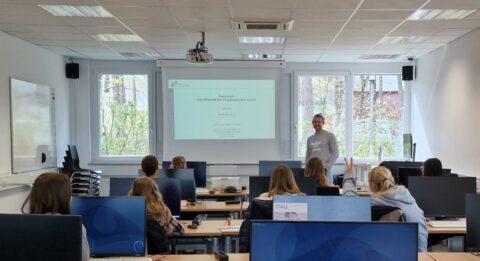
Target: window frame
134	69
348	112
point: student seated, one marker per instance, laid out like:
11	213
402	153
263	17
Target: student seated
432	167
160	221
386	193
315	168
281	183
178	162
51	194
150	166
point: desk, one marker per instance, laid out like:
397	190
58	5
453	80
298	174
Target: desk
430	256
209	228
212	206
450	256
219	194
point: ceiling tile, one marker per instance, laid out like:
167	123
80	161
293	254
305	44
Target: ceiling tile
392	4
22	9
321	14
37	28
382	15
328	4
103	29
196	3
262	13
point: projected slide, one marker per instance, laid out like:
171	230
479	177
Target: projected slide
223	109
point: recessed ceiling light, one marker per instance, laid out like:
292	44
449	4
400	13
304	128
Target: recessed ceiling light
441	14
261	40
77	10
256	56
117	38
402	39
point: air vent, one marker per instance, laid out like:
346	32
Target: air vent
260	24
379	56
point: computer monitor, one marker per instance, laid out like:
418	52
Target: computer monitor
310	240
40	237
441	196
265	167
298	172
404	173
199	171
187	181
115	225
472	209
322	208
259	185
170	189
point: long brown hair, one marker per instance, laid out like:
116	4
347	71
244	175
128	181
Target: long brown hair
145	186
51	193
282	182
382	178
315	168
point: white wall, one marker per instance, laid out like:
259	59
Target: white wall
24	61
446	104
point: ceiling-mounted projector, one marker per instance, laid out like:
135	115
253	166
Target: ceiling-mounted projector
200	53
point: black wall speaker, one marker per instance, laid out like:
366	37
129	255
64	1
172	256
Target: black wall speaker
72	70
408	73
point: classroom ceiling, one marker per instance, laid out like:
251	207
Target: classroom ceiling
323	30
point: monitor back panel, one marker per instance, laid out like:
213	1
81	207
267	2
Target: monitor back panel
298	240
259	185
115	225
473	221
404	173
322	208
441	196
199	171
187	181
40	237
265	167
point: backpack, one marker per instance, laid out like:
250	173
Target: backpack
157	240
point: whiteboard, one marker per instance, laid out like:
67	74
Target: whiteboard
32	118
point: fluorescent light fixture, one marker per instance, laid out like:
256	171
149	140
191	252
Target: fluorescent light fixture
379	56
261	40
441	14
402	39
117	38
256	56
77	10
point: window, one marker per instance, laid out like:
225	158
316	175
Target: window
364	111
325	94
123	115
377	115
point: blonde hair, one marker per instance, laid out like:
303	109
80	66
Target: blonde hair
145	186
382	178
282	182
315	168
178	162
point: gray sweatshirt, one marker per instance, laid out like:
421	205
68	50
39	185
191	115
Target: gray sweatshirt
323	145
400	197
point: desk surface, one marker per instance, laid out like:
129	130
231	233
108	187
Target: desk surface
212	206
430	256
210	228
219	194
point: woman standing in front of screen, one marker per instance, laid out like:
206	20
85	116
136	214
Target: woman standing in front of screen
386	193
51	194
